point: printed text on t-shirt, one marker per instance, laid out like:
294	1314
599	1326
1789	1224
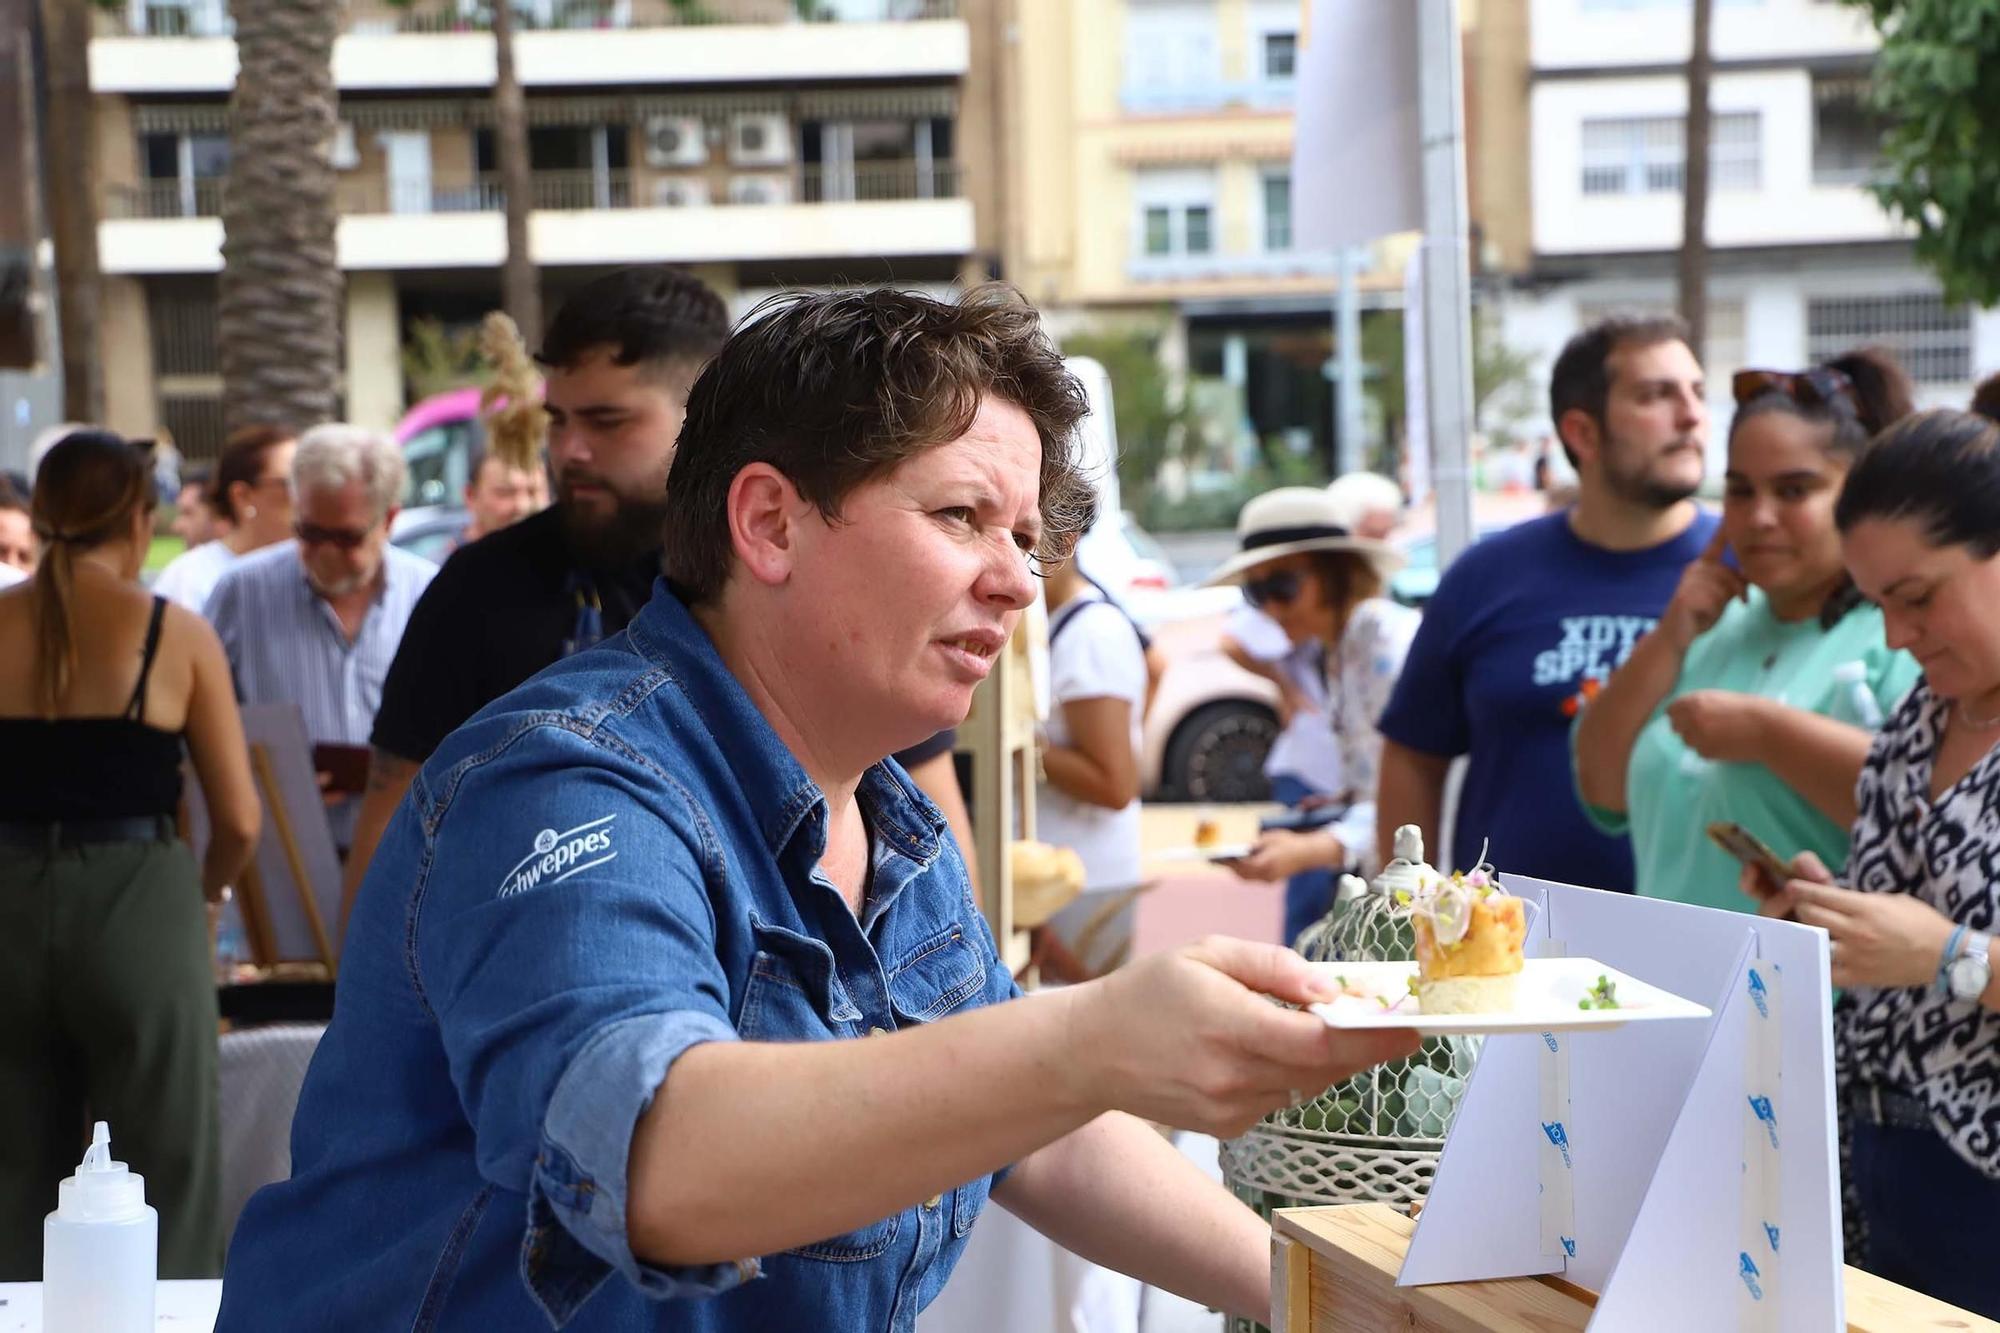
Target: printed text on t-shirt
1592	647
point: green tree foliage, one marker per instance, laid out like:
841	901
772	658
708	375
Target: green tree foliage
1149	416
1500	373
1937	82
436	359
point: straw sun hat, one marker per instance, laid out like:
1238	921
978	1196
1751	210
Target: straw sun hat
1293	520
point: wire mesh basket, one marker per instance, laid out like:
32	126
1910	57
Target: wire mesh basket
1376	1137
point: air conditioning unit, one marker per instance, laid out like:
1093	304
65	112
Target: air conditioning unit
673	192
675	141
346	154
760	190
760	139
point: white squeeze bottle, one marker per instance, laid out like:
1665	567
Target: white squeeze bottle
100	1248
1854	676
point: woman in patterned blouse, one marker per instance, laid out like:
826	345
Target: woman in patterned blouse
1302	564
1917	1033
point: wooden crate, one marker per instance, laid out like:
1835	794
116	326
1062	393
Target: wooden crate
1333	1270
999	735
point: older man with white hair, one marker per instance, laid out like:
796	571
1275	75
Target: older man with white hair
315	621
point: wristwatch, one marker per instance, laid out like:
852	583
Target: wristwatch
1971	970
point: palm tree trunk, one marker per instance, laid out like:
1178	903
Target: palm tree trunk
279	312
1694	186
520	287
72	205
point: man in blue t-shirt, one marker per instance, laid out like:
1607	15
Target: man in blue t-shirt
1525	627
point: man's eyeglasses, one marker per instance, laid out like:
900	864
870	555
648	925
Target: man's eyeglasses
1822	386
1282	586
312	534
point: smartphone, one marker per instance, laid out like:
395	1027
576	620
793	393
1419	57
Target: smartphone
1302	821
1748	848
346	766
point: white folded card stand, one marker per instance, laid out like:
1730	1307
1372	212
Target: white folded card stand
1666	1166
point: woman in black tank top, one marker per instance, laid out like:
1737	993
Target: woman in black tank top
106	956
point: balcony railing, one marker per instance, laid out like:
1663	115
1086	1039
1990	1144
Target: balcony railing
201	198
376	17
574	191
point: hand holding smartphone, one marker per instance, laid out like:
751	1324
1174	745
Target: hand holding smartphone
1748	848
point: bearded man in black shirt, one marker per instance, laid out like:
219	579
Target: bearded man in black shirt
619	357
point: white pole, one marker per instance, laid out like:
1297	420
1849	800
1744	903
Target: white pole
1447	324
1347	337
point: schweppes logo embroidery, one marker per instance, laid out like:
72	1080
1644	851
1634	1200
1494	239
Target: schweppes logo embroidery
557	856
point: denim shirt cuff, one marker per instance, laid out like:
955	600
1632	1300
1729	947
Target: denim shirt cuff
576	1200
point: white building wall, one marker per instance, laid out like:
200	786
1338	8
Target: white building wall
719	53
1810	241
1787	207
1774	323
1590	34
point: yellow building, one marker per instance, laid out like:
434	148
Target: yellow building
1148	165
1148	147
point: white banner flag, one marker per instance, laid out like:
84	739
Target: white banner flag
1416	390
1356	168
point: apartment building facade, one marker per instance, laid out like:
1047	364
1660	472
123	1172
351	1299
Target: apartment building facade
1149	187
1804	262
762	143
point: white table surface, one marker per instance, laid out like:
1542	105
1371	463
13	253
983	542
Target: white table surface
184	1307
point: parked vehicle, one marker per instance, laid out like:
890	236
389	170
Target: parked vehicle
1414	583
1212	723
431	531
440	437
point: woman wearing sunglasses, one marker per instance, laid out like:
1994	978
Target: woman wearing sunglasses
1302	565
106	975
1754	699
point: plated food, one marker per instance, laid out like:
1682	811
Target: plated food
1471	975
1469	931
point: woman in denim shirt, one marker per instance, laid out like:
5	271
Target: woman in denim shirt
604	1054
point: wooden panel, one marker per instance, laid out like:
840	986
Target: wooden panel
1356	1252
1291	1286
1878	1306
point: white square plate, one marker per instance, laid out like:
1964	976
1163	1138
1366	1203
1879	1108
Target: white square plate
1544	1001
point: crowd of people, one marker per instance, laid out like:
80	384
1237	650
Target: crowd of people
626	863
1818	665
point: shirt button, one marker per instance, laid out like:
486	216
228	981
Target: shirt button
934	1201
878	1032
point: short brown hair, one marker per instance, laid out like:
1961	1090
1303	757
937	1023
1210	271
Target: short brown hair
1986	398
836	389
1581	379
1346	578
653	315
243	460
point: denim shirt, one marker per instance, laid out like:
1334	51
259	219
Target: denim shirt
601	869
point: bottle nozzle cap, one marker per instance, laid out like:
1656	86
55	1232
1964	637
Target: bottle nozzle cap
102	1190
97	1157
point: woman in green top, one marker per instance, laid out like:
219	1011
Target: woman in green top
1755	697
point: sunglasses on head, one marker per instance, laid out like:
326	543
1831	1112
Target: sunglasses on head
1282	586
1822	386
312	534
